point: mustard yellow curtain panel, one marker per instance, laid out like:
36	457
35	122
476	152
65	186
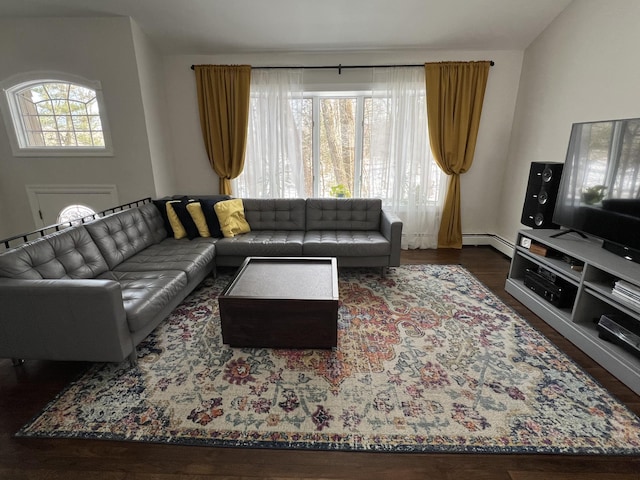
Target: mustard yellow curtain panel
455	92
223	101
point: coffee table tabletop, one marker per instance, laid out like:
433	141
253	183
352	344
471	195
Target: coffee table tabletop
285	277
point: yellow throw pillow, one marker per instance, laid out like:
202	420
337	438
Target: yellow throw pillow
230	214
195	210
178	230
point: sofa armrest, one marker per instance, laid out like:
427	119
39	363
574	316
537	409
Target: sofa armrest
391	229
63	319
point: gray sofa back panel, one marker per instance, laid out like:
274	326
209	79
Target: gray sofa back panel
69	253
343	213
154	221
121	235
275	213
203	197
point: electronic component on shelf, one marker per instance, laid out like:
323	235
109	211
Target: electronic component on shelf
622	330
548	274
574	264
558	292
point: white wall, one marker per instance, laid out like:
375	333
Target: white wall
481	185
96	49
150	71
583	67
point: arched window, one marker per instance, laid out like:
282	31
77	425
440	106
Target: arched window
74	212
58	115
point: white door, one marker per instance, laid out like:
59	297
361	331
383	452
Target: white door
48	202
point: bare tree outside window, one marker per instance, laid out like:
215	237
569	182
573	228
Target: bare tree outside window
59	114
337	144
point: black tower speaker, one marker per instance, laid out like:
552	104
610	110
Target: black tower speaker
542	190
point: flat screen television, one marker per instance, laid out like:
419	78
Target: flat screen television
599	191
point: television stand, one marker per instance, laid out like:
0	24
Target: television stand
570	230
595	277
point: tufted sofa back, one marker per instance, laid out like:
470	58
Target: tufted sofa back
343	214
154	221
69	253
121	235
85	251
275	214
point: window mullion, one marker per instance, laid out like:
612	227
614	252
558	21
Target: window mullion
316	145
359	133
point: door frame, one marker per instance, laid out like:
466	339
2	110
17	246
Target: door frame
34	190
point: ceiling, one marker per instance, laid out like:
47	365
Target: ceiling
233	26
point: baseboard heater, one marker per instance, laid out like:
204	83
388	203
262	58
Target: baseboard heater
495	241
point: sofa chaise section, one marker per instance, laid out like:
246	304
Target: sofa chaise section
55	307
93	292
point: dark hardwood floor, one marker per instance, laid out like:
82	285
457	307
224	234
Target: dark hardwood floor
27	389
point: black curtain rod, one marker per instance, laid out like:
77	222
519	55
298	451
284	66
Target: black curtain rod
340	67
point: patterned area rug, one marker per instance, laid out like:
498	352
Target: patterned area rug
428	360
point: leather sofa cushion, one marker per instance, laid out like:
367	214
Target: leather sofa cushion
266	243
327	243
275	214
171	254
121	235
69	253
343	214
146	294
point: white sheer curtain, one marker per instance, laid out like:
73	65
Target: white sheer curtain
273	166
400	168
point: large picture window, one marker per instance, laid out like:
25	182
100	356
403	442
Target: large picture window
336	131
56	117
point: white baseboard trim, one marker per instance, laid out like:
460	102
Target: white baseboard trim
497	242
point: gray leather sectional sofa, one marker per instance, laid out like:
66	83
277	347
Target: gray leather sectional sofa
93	292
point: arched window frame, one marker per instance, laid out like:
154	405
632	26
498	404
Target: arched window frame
13	117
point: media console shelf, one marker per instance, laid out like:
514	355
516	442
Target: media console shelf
583	266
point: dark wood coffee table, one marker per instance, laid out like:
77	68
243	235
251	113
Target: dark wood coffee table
282	302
